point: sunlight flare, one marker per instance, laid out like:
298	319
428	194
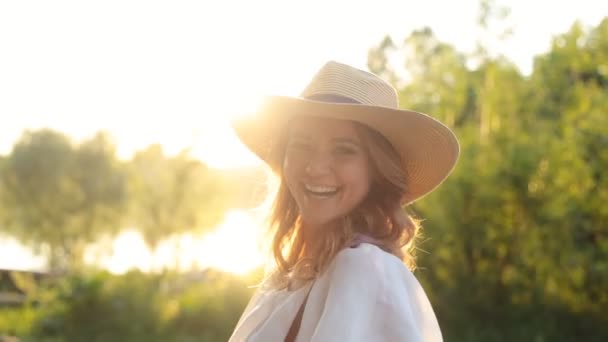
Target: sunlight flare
233	246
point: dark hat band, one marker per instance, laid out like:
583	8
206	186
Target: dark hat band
331	98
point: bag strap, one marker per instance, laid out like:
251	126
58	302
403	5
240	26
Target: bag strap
295	325
360	238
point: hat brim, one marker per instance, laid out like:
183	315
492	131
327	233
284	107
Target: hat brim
428	149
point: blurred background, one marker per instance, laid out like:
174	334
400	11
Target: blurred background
129	211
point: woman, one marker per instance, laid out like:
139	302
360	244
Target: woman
349	162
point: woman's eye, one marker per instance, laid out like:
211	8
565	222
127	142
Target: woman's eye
345	150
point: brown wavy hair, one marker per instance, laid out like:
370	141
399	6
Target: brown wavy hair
380	216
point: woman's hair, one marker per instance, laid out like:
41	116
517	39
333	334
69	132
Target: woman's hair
380	216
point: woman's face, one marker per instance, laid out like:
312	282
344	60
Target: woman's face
326	168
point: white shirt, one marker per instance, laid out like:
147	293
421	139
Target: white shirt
366	294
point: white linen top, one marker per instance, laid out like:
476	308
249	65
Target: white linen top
366	294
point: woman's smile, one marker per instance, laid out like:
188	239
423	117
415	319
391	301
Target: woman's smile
322	191
326	168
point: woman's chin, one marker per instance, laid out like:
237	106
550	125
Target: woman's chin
316	223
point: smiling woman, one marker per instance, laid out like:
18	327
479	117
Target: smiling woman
349	161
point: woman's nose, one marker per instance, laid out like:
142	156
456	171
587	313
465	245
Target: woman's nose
318	165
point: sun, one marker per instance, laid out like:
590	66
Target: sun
232	246
218	147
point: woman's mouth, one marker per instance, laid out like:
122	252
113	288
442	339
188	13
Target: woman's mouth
321	190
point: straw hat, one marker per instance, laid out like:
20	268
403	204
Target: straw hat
428	149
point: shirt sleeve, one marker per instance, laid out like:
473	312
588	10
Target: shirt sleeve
372	296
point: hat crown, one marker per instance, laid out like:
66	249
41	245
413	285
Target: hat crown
340	80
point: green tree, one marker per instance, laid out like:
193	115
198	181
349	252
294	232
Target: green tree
378	60
571	97
173	195
517	234
59	196
3	208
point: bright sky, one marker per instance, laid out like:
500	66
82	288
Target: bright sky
174	71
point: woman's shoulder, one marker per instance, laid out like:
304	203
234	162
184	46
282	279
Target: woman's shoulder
368	262
367	255
391	289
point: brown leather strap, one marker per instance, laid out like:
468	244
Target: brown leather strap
295	325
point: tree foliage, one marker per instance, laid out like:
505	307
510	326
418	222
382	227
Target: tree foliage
201	306
519	232
58	196
172	195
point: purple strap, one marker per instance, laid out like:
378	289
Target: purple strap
360	238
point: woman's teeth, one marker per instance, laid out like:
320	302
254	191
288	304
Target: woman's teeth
321	190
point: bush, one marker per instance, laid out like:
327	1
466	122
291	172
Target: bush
133	307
